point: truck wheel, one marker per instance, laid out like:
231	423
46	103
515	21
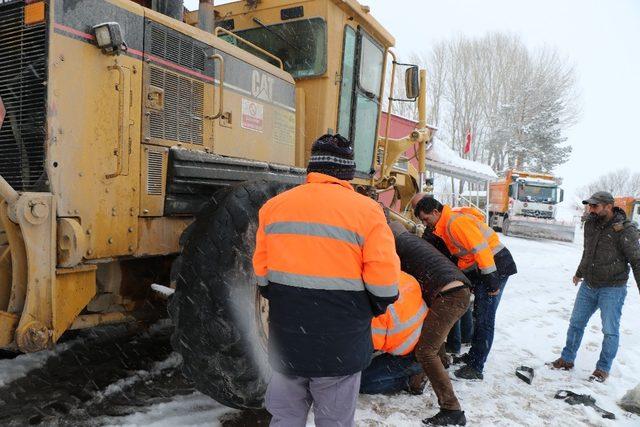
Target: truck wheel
492	221
505	226
219	316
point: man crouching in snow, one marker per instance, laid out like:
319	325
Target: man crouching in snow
395	334
446	291
610	245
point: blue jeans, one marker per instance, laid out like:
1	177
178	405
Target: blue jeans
388	374
485	307
610	301
461	332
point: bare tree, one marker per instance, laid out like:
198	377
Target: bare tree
621	182
517	103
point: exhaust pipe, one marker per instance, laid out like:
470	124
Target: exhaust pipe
172	8
206	16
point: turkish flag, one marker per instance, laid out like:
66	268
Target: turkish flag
467	145
3	111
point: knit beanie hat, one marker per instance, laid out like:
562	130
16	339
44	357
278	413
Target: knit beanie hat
332	155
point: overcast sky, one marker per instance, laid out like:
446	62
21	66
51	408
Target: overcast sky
601	37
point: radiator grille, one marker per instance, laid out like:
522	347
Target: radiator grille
154	173
181	118
175	47
23	76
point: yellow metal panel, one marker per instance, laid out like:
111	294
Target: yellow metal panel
8	324
94	142
72	291
268	137
160	236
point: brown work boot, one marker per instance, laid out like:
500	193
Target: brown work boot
599	375
560	363
417	383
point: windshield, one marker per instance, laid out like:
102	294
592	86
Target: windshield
301	45
537	194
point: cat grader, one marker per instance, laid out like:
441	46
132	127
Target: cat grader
138	141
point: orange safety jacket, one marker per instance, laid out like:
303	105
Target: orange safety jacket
324	235
469	238
397	330
325	259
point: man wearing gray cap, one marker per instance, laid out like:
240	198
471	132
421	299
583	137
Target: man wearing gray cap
610	246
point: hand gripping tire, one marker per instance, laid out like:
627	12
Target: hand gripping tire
216	309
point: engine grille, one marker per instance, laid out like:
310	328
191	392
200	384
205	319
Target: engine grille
23	77
181	118
154	172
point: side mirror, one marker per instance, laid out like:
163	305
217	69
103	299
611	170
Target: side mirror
561	196
412	82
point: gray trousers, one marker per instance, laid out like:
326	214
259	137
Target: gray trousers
334	400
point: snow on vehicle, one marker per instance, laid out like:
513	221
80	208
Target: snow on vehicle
525	204
136	131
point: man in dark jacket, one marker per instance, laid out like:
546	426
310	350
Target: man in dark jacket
610	245
445	289
327	269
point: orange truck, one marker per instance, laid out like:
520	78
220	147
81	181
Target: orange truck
525	204
630	206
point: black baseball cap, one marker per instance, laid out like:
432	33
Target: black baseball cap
599	198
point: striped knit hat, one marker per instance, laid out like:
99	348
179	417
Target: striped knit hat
332	155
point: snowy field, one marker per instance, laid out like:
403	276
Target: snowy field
531	326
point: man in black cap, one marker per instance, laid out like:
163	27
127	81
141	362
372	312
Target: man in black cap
610	246
325	259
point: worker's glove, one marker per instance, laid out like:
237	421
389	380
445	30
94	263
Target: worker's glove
491	281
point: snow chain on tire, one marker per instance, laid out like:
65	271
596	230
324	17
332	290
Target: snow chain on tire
217	329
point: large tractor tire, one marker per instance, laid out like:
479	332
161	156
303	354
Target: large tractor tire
219	316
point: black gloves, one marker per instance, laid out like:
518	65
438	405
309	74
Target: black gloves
491	281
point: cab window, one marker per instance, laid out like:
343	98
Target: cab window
301	45
362	65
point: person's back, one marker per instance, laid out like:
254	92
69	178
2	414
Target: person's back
325	260
395	335
318	294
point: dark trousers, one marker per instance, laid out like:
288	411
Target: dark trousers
485	307
462	332
388	374
444	312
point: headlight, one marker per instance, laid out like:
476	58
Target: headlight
109	37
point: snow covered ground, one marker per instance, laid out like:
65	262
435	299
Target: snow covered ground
531	326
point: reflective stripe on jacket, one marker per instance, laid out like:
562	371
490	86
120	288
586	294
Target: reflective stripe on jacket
325	259
398	329
323	235
469	239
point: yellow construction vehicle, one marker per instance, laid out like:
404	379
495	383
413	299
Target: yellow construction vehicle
630	206
138	131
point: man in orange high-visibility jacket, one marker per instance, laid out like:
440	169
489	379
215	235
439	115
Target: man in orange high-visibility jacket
483	259
325	259
395	335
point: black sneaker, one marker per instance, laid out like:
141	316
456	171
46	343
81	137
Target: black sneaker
468	373
460	358
446	417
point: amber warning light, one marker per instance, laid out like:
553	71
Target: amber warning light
34	13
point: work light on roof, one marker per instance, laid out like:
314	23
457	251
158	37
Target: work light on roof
109	38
